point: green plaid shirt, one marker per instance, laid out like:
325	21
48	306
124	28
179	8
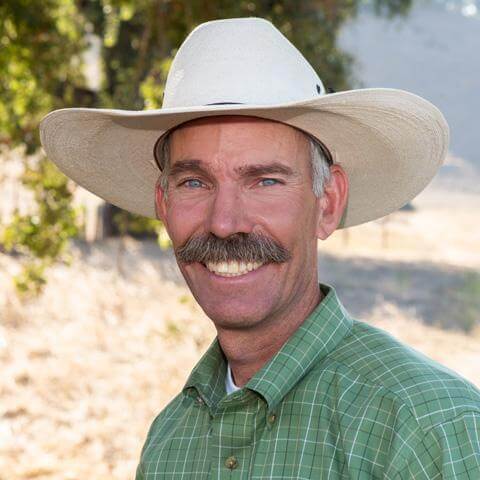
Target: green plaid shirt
340	400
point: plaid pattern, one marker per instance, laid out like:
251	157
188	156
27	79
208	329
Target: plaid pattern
340	400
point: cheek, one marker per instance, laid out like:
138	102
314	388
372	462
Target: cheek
289	216
184	218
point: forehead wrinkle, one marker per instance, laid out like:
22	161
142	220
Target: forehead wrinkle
275	136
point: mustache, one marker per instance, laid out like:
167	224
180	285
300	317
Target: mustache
242	247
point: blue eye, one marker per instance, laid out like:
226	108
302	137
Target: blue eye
267	182
193	183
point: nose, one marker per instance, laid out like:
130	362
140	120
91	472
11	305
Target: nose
227	214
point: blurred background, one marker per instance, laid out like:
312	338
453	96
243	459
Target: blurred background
97	328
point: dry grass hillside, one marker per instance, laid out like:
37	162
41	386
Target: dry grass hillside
88	365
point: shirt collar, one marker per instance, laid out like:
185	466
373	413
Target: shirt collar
208	376
316	337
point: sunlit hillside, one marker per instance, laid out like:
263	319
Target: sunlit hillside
88	365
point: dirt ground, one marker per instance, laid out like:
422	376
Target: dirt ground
88	365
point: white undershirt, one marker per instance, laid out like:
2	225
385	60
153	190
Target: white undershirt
229	385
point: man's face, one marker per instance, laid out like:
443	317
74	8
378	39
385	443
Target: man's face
242	175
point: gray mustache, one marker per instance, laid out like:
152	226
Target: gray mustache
242	247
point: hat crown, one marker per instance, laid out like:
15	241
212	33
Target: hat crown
240	60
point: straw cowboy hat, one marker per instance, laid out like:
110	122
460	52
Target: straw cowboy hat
389	142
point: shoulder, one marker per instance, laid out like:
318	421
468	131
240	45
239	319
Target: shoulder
432	393
166	418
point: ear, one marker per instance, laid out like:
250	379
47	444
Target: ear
160	203
332	204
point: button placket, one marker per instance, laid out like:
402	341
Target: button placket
233	432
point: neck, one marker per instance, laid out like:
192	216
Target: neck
248	350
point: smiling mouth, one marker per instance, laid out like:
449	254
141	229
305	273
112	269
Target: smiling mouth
232	268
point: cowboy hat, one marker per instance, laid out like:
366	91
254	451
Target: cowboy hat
389	142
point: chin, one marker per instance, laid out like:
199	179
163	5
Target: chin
229	315
235	302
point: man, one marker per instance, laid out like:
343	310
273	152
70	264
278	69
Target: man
248	164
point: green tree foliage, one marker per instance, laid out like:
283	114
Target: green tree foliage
40	46
41	42
43	235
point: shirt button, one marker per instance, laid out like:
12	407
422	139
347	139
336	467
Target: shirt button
200	400
272	418
231	463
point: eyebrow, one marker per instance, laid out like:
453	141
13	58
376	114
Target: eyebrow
269	169
192	165
183	166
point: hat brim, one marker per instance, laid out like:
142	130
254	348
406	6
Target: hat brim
390	143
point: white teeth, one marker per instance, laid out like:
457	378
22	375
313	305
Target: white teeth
223	267
233	268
